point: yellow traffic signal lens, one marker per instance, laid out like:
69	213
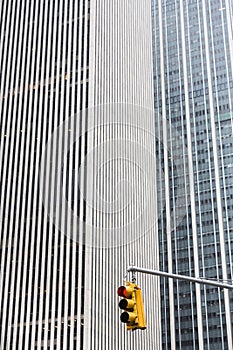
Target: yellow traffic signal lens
126	304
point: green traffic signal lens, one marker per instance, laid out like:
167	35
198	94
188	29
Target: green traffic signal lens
124	317
128	317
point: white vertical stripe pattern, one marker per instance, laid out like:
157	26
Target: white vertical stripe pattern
57	58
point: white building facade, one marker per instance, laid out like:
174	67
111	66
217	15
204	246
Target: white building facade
78	172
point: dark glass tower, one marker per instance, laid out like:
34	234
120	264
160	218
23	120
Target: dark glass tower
193	86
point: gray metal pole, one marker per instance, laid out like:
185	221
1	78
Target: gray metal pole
180	277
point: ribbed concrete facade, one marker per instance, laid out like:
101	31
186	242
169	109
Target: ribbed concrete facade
78	189
193	75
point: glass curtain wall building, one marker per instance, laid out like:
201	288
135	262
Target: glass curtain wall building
77	205
193	87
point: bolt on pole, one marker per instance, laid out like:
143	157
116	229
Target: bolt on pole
199	280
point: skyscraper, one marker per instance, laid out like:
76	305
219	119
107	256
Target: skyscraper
193	86
77	172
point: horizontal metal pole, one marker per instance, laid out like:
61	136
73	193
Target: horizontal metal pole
199	280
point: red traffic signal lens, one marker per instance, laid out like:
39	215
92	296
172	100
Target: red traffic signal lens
121	291
125	292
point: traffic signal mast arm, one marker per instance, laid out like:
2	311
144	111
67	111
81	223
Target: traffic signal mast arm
199	280
132	304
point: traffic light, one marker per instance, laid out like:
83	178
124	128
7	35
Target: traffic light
133	307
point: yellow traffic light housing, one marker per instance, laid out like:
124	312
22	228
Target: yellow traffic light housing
132	304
